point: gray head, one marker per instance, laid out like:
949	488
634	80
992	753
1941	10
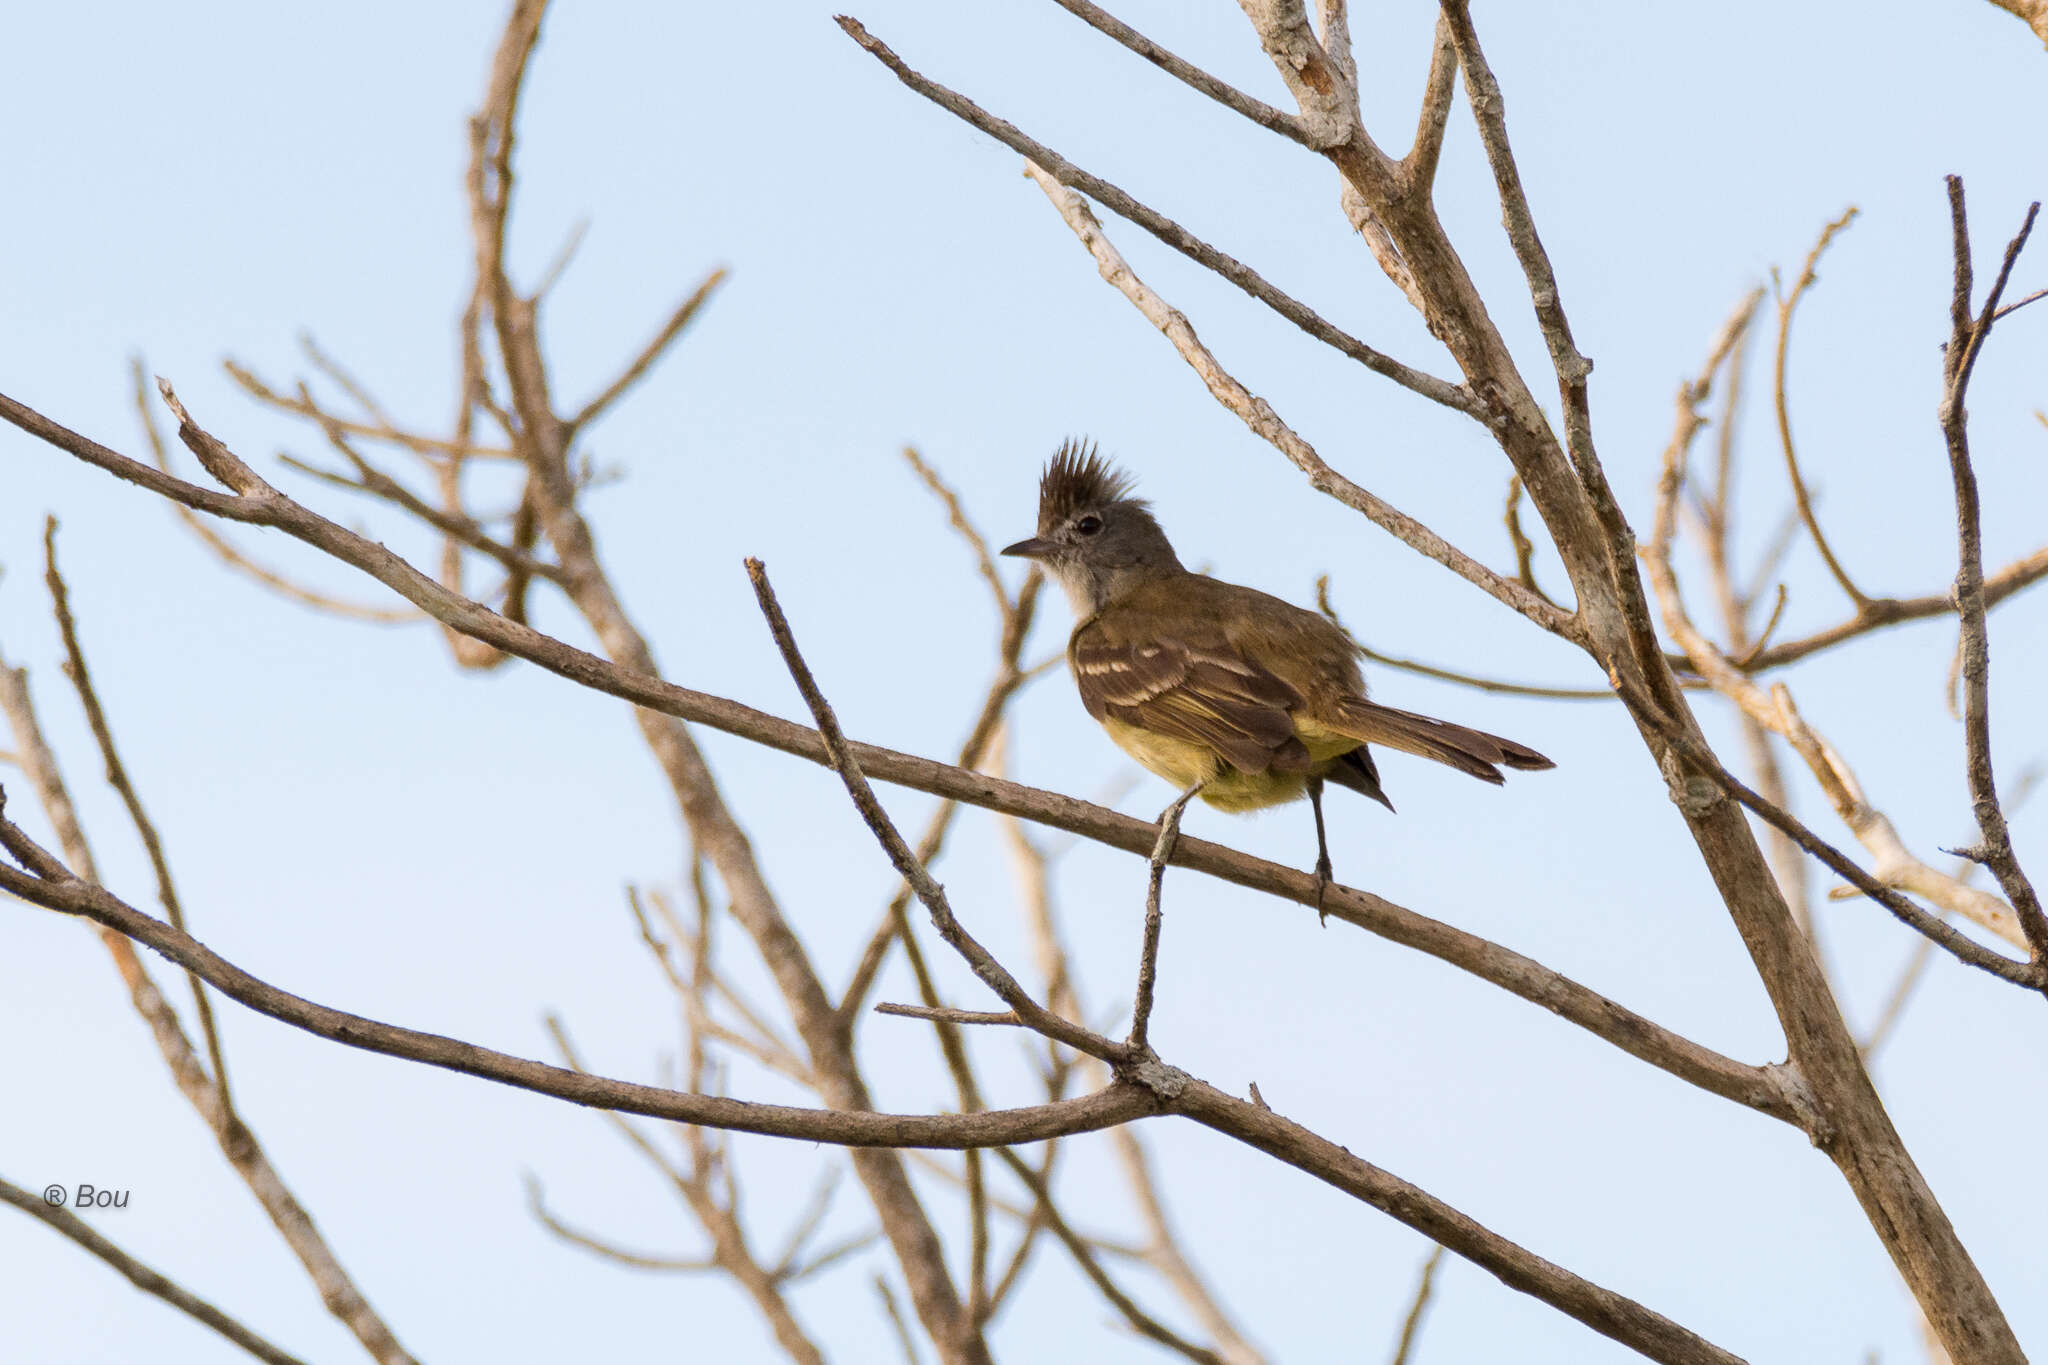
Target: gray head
1095	539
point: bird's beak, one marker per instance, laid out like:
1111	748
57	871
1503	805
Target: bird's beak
1034	548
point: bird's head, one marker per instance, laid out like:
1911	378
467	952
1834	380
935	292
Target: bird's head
1094	538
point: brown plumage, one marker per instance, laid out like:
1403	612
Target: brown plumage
1208	682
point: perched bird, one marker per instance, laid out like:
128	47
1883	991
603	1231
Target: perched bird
1211	685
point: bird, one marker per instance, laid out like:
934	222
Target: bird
1224	691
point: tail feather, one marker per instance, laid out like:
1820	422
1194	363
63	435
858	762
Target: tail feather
1469	751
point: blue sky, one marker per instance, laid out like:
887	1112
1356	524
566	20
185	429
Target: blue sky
359	823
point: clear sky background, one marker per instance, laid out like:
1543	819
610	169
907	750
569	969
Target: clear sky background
357	822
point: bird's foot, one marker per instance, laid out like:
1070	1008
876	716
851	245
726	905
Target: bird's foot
1323	879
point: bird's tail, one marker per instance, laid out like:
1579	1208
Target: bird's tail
1469	751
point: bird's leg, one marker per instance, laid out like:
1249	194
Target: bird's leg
1148	956
1323	870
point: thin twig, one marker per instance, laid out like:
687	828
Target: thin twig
1148	956
1775	710
895	1315
536	1204
117	777
942	1013
1225	94
141	1276
228	554
1437	91
1450	395
1966	342
1412	1325
1787	305
1084	1256
650	353
991	972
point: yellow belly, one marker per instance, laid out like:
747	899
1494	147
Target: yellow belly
1184	762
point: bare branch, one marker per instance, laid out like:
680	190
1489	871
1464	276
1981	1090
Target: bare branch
1084	1256
1966	341
1117	1104
1450	395
372	431
461	529
225	550
1148	956
903	1338
2034	13
1604	1311
536	1204
1787	304
1775	711
117	777
650	353
1420	165
1878	612
1421	669
1413	1323
944	1014
1257	414
1754	1087
1229	96
237	1141
141	1276
991	972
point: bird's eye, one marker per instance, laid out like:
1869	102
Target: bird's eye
1088	525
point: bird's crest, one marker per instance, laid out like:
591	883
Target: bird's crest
1076	477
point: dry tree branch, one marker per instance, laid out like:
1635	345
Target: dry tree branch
456	527
76	670
1715	776
543	441
2033	13
1416	666
1966	341
1155	1088
1895	865
1412	1324
1141	1322
1257	414
685	312
1763	1089
720	1219
1450	395
1437	91
1893	1010
1148	955
1604	1311
1787	304
1017	617
237	1141
1878	612
536	1204
1162	1250
225	551
1788	864
992	973
845	1128
695	996
895	1315
428	446
141	1276
1225	94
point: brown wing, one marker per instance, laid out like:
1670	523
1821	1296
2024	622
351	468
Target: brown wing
1190	685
